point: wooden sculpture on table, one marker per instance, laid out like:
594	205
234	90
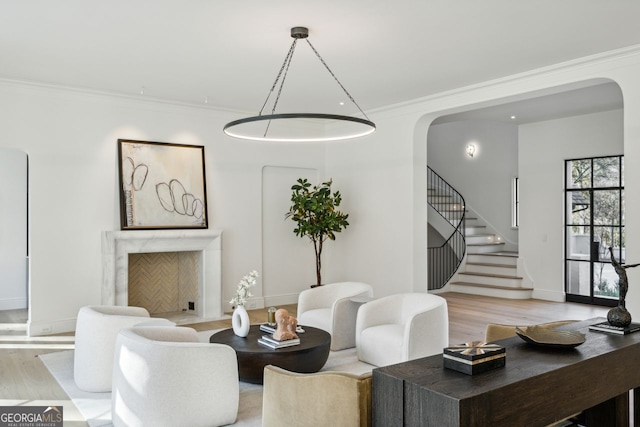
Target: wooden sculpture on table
286	326
619	316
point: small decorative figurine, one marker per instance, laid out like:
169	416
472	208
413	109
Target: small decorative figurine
619	316
286	326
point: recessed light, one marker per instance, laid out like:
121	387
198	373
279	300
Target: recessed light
513	117
341	103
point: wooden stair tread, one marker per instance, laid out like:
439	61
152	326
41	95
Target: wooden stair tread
479	285
498	254
489	264
497	276
505	254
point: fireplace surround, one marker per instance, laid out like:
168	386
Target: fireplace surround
117	245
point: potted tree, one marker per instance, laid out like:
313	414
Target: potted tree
314	211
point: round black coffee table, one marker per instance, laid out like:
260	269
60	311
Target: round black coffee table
309	356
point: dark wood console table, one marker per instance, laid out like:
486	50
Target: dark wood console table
538	386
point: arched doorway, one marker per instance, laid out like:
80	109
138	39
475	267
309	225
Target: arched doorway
560	108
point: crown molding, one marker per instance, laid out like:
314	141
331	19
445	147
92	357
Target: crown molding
417	105
32	84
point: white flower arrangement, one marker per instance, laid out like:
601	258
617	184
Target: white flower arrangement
242	293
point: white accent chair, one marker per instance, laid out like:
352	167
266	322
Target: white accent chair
165	377
401	327
96	331
331	308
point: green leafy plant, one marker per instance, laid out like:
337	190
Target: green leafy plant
314	211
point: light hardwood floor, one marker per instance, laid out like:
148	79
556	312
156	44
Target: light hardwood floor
23	377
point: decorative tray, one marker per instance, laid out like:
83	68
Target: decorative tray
550	337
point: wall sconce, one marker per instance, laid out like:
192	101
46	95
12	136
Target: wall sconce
471	149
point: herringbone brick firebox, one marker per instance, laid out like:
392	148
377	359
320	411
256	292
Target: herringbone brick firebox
163	282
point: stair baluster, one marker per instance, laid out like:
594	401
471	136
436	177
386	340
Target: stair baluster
445	259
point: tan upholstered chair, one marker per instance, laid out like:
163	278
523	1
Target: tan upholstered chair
165	377
96	331
332	308
337	399
401	327
496	331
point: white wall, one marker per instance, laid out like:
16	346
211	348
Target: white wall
71	140
484	180
386	171
373	176
544	147
13	229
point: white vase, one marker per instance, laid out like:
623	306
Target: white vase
240	321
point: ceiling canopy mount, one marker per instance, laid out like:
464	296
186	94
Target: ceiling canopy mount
299	32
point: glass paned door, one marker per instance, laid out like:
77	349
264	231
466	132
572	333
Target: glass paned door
594	227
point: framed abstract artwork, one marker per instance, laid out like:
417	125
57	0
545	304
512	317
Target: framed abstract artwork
162	185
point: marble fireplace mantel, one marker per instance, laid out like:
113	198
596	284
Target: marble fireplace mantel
117	245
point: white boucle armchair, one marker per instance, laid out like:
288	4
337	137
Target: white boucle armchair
401	327
165	377
96	331
333	308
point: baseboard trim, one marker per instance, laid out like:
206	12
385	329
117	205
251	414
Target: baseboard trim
39	328
548	295
277	300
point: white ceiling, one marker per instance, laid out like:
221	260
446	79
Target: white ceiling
230	51
570	102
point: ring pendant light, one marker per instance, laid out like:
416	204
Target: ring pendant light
259	128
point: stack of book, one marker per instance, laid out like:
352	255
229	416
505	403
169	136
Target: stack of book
606	327
265	327
269	341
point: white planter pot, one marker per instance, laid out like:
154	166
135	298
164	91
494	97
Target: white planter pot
240	321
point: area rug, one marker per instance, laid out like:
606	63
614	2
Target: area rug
96	407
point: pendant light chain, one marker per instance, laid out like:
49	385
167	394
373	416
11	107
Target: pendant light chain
287	61
284	77
336	79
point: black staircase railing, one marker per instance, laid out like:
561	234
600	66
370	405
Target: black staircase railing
445	259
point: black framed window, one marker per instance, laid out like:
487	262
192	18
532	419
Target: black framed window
594	222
